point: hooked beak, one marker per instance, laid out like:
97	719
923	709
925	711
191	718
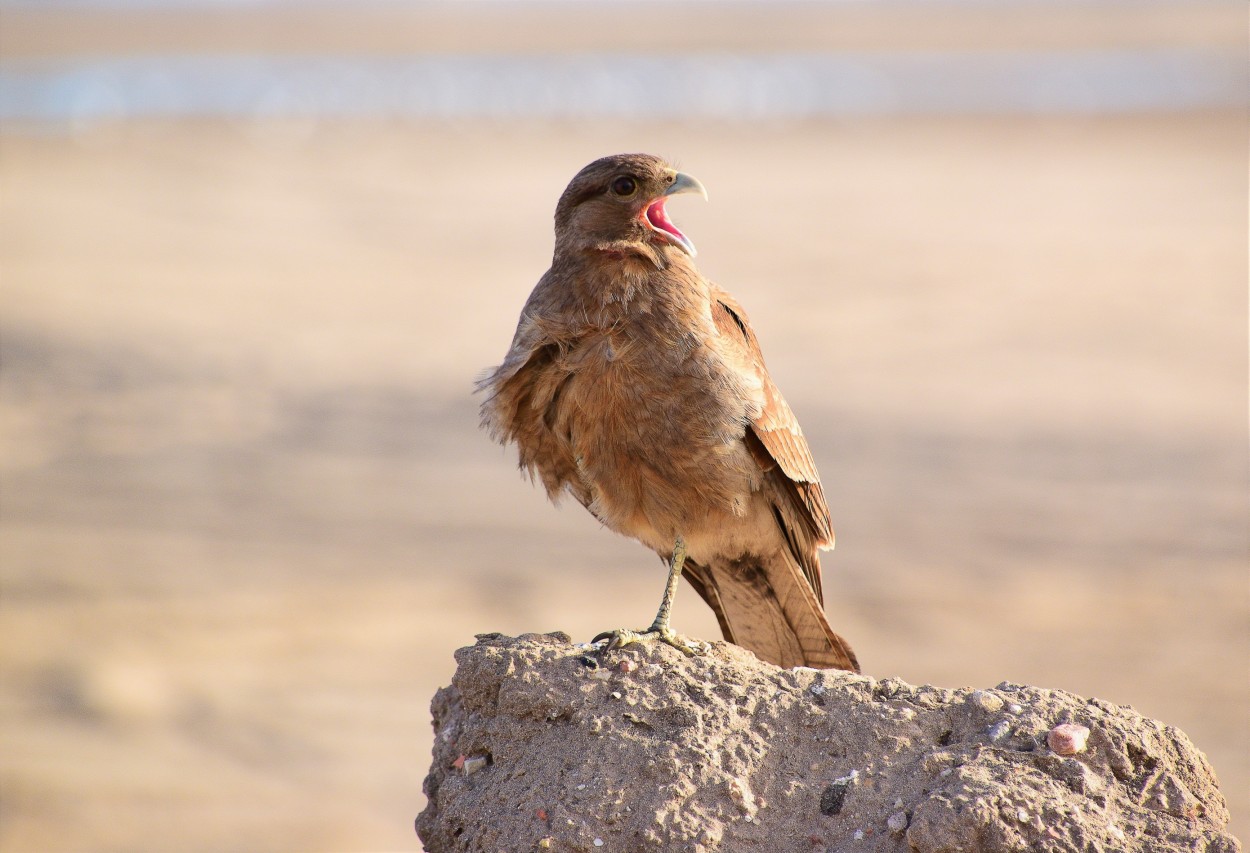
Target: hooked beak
684	183
657	219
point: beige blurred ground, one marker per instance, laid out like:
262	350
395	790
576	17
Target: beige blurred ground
246	515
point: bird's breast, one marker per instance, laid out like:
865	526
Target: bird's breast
654	420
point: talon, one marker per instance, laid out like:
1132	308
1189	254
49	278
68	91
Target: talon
622	637
618	638
690	647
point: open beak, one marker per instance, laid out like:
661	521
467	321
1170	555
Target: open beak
657	218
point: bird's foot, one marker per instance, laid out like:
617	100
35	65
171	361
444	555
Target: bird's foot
656	633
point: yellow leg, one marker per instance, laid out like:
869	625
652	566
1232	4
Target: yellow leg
670	589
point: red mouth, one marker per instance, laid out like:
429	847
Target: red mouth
657	218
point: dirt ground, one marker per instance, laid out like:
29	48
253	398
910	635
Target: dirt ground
247	514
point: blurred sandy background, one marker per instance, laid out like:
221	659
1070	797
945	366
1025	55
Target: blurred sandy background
247	514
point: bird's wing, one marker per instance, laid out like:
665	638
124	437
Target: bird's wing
777	443
765	605
521	405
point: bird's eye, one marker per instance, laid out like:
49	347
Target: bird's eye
624	185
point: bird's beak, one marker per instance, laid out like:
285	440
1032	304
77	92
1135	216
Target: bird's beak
686	184
657	219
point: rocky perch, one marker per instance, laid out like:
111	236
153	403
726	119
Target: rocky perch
541	744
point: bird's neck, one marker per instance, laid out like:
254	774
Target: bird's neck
613	283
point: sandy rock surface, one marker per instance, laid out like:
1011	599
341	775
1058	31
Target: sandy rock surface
544	744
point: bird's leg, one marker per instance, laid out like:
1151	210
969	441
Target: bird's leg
675	564
659	629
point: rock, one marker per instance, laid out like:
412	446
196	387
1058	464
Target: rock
1067	738
723	752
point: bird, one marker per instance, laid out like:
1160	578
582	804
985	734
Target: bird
638	386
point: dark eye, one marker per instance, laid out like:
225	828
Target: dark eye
624	185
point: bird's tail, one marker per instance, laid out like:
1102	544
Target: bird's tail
768	607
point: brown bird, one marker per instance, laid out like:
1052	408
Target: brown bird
638	386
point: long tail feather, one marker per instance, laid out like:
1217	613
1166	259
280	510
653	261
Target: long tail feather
769	608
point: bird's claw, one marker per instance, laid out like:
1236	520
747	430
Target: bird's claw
622	637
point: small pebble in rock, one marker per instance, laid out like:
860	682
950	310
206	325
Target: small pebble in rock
1067	739
545	842
833	797
598	842
986	701
859	835
740	791
1013	708
629	665
474	764
817	689
581	787
1022	816
999	730
897	822
616	694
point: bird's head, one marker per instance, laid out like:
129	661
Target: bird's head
618	201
